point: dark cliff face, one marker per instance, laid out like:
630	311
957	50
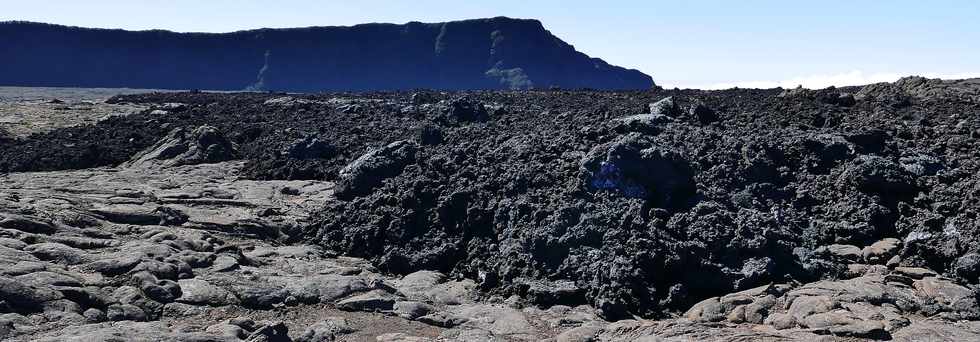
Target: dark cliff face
497	53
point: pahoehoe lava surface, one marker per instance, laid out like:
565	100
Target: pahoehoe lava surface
568	197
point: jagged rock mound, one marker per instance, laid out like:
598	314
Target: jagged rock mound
879	175
642	123
205	144
908	89
430	135
667	106
634	168
310	148
368	171
678	203
702	113
462	110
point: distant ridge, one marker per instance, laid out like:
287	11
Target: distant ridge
494	53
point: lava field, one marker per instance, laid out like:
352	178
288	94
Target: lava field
637	203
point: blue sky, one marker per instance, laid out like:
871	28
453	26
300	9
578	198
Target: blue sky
707	44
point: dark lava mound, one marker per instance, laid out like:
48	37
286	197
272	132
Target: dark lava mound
598	197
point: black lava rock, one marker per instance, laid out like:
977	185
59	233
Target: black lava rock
703	114
310	148
625	166
430	135
368	171
462	110
636	216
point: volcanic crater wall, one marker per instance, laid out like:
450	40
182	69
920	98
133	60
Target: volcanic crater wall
496	53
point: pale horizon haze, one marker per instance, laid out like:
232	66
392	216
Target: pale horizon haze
687	44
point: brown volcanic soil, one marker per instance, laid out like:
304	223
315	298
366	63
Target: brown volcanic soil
551	195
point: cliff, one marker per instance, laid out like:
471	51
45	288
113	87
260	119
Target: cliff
496	53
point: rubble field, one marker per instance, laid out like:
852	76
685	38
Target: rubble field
674	215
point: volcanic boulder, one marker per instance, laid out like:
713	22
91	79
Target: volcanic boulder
633	168
361	176
310	147
21	296
430	134
463	110
667	106
702	113
878	175
641	123
205	144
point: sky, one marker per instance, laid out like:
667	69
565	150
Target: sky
687	44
